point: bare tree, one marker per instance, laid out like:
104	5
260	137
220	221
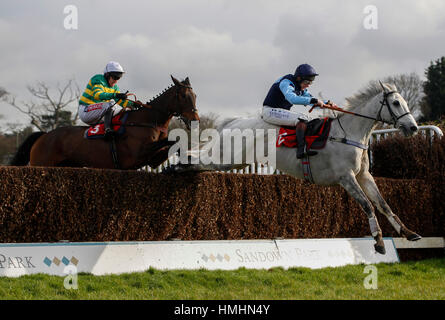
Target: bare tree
3	92
51	110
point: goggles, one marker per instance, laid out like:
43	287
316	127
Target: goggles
116	75
310	78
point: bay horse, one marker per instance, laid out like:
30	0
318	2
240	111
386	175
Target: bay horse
143	143
337	163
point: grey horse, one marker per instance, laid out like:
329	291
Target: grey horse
343	161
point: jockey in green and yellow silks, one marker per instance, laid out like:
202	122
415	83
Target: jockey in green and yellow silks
95	102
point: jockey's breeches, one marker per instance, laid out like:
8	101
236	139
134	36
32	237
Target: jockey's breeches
93	113
283	117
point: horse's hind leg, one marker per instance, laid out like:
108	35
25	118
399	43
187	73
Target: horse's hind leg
371	190
351	185
44	153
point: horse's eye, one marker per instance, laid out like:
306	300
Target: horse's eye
396	103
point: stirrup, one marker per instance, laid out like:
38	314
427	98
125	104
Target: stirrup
304	153
311	153
300	153
109	133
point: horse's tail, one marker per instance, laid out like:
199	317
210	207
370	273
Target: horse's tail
22	156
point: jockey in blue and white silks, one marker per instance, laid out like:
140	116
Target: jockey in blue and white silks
289	90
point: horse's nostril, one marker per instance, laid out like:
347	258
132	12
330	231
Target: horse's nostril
414	128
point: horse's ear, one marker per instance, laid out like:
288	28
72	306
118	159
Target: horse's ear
187	81
175	81
385	89
393	87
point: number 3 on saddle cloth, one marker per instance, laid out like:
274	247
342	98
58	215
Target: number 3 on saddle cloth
98	131
317	134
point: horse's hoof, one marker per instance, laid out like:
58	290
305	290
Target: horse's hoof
169	170
413	237
380	249
178	168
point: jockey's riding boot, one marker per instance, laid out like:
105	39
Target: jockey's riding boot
108	116
300	132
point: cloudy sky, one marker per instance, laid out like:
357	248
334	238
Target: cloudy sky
232	50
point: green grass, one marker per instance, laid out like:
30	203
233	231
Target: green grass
410	280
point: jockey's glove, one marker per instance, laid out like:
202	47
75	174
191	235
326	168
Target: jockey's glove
120	96
314	101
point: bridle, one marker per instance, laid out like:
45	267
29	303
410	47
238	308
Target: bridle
179	114
379	118
394	117
163	110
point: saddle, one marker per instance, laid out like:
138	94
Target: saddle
98	131
316	136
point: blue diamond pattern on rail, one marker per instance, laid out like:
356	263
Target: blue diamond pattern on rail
47	261
64	260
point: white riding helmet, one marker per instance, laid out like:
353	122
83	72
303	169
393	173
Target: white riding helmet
113	66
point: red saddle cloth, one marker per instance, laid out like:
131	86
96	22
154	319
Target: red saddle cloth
317	134
98	131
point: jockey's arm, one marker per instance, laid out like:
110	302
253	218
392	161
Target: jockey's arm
306	99
288	90
125	103
100	94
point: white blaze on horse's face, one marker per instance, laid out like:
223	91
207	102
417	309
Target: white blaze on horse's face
401	114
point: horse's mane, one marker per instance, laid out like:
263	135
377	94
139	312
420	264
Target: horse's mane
365	94
224	122
158	96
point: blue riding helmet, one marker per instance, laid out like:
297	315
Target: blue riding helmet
306	72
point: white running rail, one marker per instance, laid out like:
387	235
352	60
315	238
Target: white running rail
377	135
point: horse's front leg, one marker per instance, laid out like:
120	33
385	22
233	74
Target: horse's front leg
368	185
351	185
159	157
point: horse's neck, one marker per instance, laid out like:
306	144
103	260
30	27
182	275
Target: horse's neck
358	128
158	114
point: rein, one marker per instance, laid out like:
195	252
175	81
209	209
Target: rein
378	118
348	112
379	114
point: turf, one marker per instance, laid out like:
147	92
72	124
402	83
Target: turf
409	280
